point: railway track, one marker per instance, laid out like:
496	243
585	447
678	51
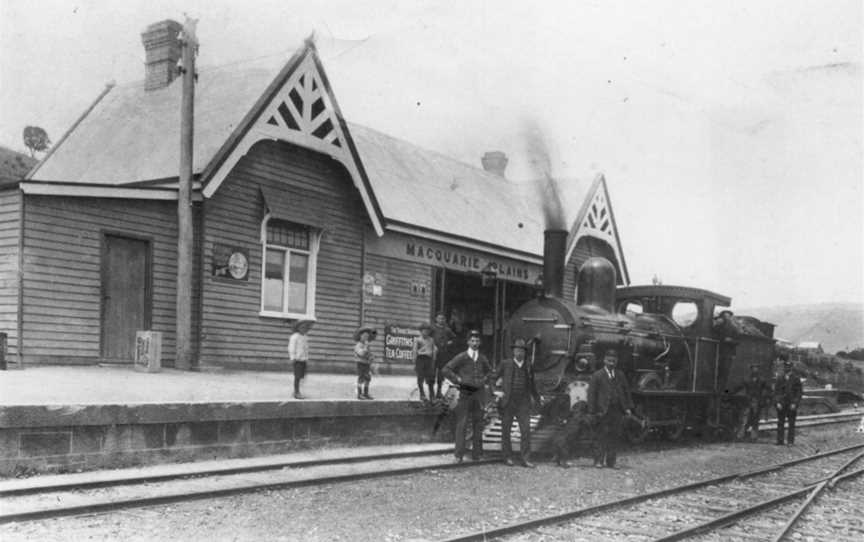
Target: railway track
69	495
763	504
68	498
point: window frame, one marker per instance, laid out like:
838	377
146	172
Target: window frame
311	272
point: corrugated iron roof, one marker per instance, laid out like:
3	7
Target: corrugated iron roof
132	136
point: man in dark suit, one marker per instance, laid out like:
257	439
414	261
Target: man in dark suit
469	370
787	395
755	389
516	377
608	400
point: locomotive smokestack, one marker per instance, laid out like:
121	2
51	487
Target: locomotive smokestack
554	248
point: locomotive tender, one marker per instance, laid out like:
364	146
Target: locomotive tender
680	353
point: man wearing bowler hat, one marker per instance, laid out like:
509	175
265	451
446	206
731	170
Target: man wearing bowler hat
787	395
608	399
516	377
469	370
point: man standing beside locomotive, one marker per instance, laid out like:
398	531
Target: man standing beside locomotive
517	383
755	389
469	370
787	396
608	400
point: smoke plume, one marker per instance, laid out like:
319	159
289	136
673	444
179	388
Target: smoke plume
537	154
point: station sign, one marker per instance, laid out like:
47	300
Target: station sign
466	260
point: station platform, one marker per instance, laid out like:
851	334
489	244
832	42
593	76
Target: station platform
118	384
74	418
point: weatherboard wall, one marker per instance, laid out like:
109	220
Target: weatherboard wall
233	333
10	229
401	292
62	273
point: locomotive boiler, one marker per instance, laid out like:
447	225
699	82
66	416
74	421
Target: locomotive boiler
681	352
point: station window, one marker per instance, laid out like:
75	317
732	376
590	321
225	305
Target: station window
685	313
288	278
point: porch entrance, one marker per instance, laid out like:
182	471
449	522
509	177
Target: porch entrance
469	304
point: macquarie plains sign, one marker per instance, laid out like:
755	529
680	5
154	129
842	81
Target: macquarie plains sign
418	250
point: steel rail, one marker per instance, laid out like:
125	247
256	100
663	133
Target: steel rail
732	517
182	496
488	534
812	497
215	471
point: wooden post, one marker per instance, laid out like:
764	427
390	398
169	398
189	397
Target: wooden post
189	44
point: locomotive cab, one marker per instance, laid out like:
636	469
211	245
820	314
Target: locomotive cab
701	363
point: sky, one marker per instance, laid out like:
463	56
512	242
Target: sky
729	133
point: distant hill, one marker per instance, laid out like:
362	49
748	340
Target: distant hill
838	326
14	165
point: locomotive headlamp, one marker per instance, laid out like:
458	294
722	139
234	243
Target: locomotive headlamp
582	364
539	290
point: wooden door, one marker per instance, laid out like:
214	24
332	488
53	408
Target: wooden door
126	298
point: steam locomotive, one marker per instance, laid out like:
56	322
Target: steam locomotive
681	352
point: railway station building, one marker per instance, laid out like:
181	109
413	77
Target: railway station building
298	214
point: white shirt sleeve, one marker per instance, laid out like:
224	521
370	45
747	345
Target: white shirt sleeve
293	354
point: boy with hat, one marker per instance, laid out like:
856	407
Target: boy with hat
469	370
424	360
787	394
516	377
608	399
298	352
364	357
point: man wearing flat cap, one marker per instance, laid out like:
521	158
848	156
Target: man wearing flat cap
787	395
470	371
608	400
516	377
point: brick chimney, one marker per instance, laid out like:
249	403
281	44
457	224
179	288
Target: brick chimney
162	52
495	162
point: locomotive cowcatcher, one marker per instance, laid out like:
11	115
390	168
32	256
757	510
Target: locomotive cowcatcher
681	353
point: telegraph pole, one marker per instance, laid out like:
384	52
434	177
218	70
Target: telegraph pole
185	237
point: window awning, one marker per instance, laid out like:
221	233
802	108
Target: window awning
294	207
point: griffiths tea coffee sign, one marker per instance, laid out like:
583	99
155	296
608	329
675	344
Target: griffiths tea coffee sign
399	343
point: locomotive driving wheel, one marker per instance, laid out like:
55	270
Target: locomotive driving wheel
675	432
636	432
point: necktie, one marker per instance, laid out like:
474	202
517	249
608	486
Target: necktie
611	375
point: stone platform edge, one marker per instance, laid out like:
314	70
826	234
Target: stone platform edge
31	416
69	438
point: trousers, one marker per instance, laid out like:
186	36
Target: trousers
519	408
609	432
786	412
470	404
